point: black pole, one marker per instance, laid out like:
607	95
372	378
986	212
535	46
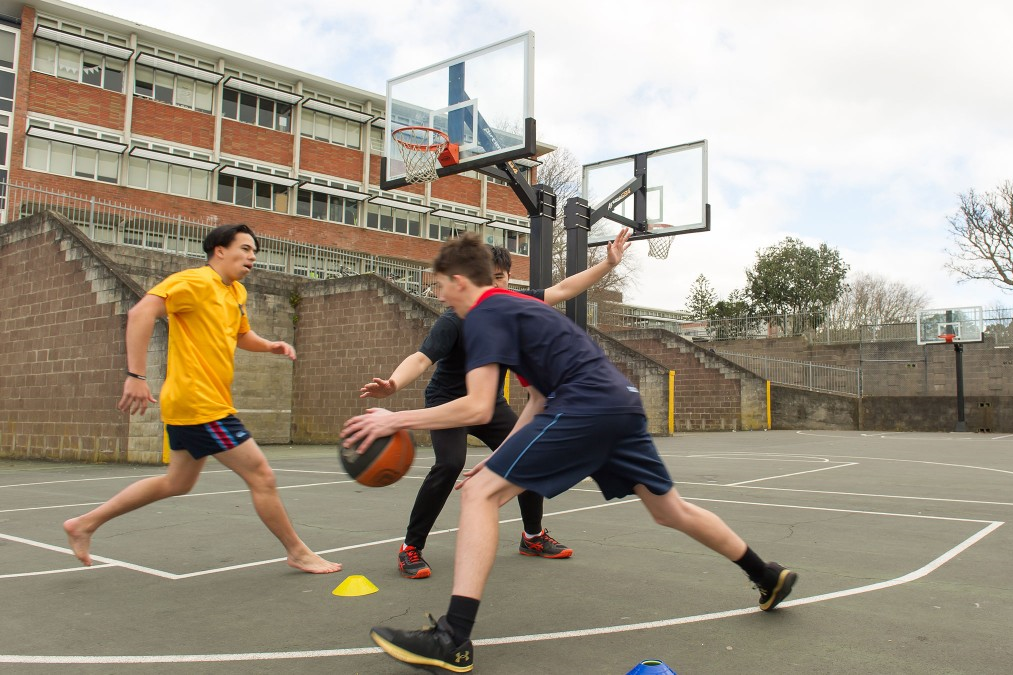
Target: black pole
961	424
543	215
576	220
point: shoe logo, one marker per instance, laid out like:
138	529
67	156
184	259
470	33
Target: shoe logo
464	657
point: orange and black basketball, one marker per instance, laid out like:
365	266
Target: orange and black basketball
384	462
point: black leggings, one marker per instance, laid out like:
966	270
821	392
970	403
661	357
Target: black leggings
451	448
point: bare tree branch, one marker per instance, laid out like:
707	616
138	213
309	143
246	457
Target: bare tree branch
983	234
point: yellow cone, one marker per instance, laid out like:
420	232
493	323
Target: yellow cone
355	585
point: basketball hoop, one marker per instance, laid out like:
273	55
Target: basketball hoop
659	247
947	338
421	148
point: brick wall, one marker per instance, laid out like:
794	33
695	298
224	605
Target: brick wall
172	123
259	143
711	394
62	314
330	159
898	368
350	331
63	308
51	95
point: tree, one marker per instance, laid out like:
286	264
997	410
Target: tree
872	299
983	233
731	318
561	171
791	277
701	298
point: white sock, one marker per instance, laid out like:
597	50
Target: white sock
532	536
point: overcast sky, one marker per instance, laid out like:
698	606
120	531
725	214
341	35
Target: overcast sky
853	123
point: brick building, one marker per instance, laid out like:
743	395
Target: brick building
96	106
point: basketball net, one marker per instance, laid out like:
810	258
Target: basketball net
420	147
659	247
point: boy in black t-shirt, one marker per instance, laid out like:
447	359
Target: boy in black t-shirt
444	346
583	418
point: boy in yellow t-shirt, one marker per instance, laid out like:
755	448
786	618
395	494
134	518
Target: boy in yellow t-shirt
207	321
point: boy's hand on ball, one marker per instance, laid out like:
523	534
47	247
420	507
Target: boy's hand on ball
360	431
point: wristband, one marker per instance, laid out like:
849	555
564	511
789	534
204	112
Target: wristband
136	376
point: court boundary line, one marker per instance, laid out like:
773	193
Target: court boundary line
914	575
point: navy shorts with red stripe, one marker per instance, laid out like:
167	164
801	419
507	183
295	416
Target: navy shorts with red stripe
201	440
554	452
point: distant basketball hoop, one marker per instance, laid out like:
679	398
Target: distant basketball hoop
947	338
421	149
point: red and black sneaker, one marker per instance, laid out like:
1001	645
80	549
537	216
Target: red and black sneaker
544	546
411	565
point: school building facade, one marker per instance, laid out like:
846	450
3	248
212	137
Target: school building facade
98	107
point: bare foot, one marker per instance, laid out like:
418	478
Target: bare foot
312	563
80	540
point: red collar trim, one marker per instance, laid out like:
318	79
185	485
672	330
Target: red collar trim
501	291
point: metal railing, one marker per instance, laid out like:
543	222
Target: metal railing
112	222
802	374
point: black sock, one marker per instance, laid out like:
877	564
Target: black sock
532	505
752	565
461	616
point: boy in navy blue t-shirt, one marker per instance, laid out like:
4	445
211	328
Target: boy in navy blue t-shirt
444	346
583	418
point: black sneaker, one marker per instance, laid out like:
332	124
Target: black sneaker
411	565
544	546
776	587
433	646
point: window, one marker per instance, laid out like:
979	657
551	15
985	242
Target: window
77	65
7	41
376	135
388	218
173	89
331	129
443	228
171	170
6	96
252	108
65	159
322	205
246	185
512	239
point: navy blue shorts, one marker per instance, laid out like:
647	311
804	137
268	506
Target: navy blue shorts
555	452
201	440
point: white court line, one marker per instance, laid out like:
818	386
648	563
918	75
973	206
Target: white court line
79	568
850	494
86	480
514	639
176	577
831	458
96	558
785	475
243	490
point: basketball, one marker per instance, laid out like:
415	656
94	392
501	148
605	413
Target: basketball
385	461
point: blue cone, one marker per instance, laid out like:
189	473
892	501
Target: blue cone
651	667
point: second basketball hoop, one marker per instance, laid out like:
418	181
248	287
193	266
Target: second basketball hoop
421	149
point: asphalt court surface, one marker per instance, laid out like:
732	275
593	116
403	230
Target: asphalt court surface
901	542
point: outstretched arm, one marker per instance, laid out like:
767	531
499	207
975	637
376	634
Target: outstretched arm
140	325
407	372
252	342
571	287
